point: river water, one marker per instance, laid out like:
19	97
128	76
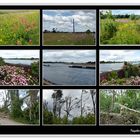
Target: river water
18	61
61	74
110	66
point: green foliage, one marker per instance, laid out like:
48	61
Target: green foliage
133	17
1	61
105	101
108	30
131	70
19	28
126	74
88	31
112	75
88	119
120	81
125	31
48	117
35	69
130	98
16	110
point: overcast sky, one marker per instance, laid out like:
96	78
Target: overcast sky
19	53
47	96
119	55
124	12
69	55
62	20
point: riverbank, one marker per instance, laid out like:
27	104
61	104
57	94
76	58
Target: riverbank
124	76
47	83
17	74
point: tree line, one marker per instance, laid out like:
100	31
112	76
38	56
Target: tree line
64	108
22	107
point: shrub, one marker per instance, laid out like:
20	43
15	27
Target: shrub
120	81
131	70
113	75
35	69
1	61
108	30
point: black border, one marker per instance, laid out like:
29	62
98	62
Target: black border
70	129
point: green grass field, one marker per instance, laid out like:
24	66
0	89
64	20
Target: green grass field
19	27
119	32
69	39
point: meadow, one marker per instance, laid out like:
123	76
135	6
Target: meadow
19	27
69	39
121	31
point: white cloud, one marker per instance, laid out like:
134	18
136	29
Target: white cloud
83	20
119	55
69	55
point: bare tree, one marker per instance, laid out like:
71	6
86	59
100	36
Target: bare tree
57	102
93	95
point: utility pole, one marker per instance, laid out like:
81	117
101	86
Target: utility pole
73	26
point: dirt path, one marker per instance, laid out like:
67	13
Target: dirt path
7	121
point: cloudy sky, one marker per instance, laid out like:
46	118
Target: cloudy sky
19	53
120	55
124	12
47	96
69	55
62	20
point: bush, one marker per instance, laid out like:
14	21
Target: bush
1	61
35	69
47	117
131	70
108	30
133	17
112	75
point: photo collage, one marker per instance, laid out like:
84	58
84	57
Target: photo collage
69	66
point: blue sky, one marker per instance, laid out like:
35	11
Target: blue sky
124	12
69	55
62	20
119	55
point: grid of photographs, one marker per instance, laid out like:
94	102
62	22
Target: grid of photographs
69	67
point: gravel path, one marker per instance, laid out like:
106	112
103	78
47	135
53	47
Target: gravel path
7	121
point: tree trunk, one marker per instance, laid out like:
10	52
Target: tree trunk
33	98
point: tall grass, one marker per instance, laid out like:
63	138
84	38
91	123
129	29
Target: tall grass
121	33
19	28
